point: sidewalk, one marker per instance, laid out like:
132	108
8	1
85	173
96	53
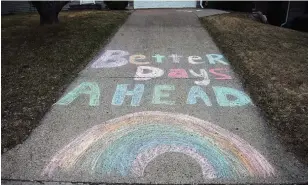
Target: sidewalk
159	104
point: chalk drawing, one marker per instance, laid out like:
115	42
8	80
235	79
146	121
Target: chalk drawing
117	58
121	92
222	94
110	59
178	73
125	145
220	74
225	96
143	159
159	93
203	74
133	58
153	72
159	58
175	58
216	58
191	59
85	88
184	11
197	92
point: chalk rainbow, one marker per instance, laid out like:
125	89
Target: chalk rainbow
126	145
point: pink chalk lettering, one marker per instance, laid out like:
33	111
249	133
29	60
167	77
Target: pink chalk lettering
177	73
219	75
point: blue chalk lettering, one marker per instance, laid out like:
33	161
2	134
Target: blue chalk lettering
121	92
216	58
197	92
222	94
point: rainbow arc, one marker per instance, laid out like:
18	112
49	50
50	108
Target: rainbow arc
126	145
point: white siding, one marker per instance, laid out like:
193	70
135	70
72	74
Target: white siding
164	4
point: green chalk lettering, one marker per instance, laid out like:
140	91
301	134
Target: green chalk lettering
87	88
159	58
158	94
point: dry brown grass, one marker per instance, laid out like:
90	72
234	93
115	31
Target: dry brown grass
273	64
38	61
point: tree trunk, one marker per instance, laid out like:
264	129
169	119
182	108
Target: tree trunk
49	10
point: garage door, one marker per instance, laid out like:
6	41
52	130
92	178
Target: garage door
164	4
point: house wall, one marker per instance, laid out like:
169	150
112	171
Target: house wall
8	7
276	10
297	9
241	6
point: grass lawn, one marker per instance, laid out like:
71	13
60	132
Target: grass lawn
273	64
39	61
